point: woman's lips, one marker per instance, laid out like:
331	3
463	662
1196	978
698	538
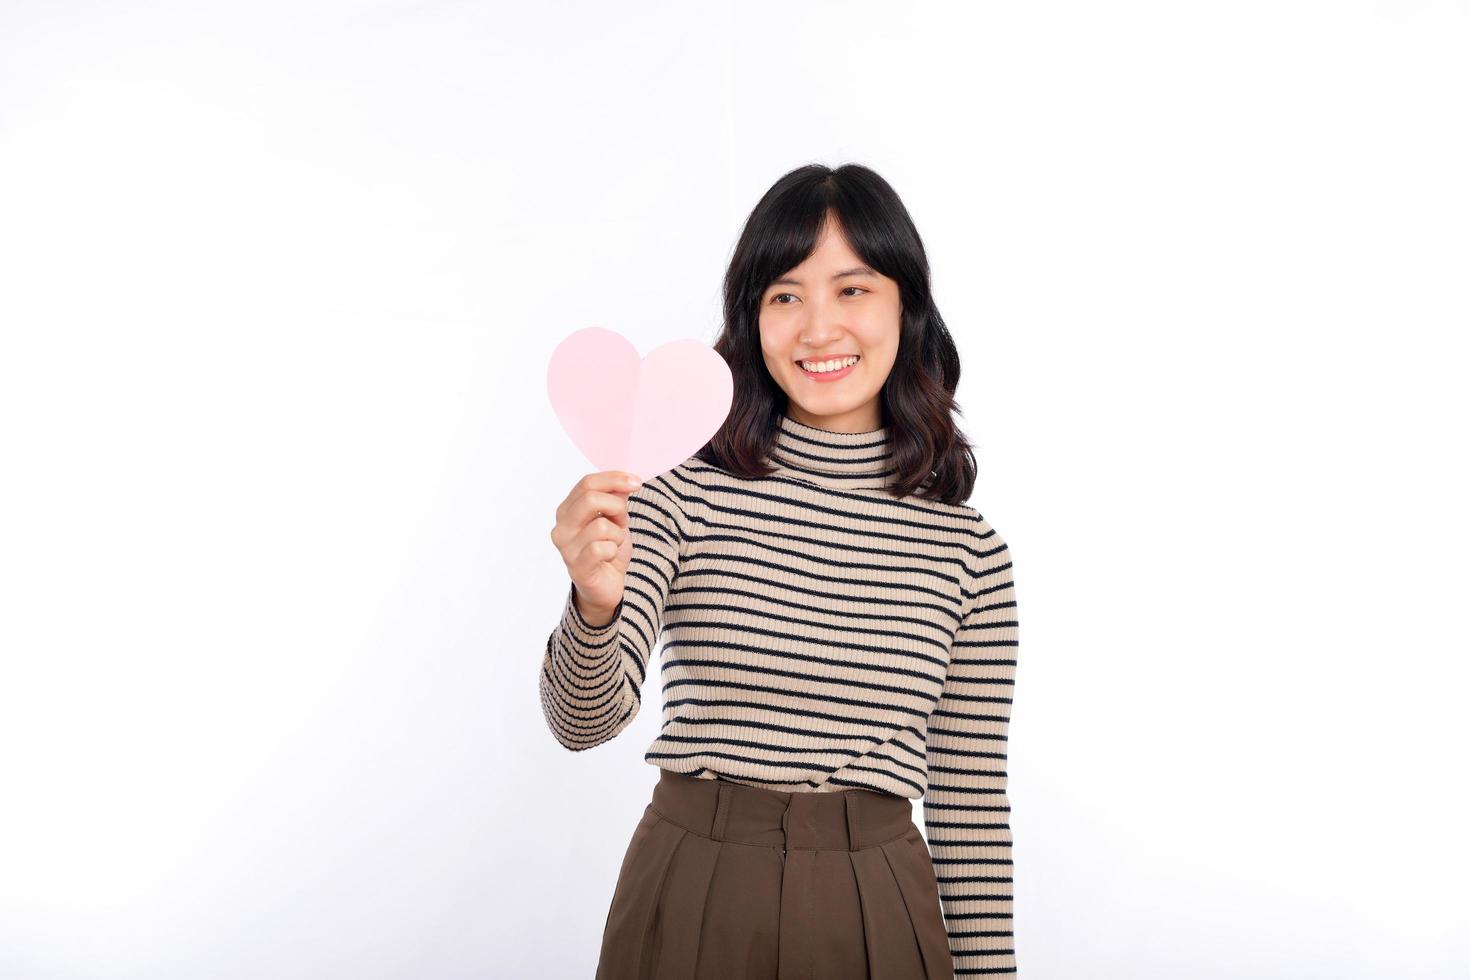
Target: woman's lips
837	375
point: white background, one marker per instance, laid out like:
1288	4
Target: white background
278	286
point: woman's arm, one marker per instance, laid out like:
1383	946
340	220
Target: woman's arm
966	809
592	676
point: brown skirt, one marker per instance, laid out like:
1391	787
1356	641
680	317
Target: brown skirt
724	881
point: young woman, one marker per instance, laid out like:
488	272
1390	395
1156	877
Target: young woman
839	631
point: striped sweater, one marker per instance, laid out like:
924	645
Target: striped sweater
819	634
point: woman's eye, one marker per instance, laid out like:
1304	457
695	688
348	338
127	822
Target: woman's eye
777	298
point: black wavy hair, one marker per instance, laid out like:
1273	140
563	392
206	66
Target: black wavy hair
933	458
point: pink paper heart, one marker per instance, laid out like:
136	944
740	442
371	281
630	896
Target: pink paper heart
640	414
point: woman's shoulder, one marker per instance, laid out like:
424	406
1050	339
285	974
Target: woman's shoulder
686	482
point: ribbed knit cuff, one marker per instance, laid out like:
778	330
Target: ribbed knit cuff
582	631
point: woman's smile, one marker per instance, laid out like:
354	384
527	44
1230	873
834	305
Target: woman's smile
830	369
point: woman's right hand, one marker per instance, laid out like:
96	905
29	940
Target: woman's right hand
592	535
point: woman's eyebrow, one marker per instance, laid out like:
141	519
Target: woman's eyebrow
860	270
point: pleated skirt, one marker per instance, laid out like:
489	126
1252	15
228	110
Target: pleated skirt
723	881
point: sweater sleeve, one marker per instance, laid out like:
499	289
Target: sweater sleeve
592	676
966	809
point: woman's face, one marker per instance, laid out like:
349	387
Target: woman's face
830	308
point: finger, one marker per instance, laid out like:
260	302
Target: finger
590	552
594	503
604	481
609	481
610	525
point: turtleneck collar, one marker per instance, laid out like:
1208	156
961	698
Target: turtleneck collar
842	460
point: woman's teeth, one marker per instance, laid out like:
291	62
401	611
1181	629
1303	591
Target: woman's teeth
822	367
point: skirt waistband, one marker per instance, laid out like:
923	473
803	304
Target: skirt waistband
848	820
